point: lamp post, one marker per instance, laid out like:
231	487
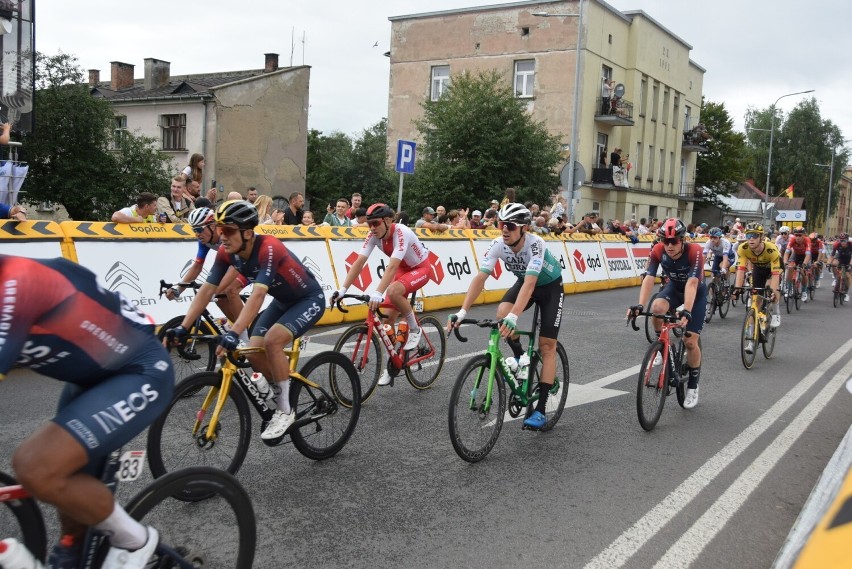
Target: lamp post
769	162
573	156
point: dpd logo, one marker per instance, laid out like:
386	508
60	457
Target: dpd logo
364	278
579	262
437	268
457	269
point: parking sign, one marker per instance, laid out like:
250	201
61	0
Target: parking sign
405	156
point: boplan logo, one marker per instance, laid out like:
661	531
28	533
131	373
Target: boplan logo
364	278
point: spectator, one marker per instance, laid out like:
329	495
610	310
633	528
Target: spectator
307	217
14	212
508	197
738	225
643	228
293	213
560	205
476	220
359	218
495	205
5	130
251	196
356	204
234	196
587	225
458	219
427	221
540	226
489	220
597	221
195	170
402	217
606	93
338	218
440	212
558	224
535	210
263	204
143	210
178	207
616	228
602	158
278	216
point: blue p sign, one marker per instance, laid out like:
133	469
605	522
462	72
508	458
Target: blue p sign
405	156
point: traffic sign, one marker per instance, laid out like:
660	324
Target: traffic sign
405	156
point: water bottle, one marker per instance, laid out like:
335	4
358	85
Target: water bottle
512	364
402	332
523	367
261	384
389	332
15	555
224	324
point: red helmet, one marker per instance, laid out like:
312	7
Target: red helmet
672	228
379	211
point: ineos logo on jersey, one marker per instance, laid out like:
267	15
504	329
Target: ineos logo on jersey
120	412
35	356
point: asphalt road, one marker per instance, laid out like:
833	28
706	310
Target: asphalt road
718	486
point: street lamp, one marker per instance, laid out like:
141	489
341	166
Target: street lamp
573	156
769	162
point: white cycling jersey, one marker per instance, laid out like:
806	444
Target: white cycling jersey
533	259
723	248
401	243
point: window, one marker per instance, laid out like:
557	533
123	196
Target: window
601	148
524	78
671	168
633	211
650	163
687	119
665	106
662	164
637	161
173	128
119	131
596	206
655	101
440	80
652	212
606	72
643	90
675	110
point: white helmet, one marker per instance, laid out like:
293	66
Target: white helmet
784	229
200	217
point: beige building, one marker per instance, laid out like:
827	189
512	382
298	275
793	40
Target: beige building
841	221
652	119
251	126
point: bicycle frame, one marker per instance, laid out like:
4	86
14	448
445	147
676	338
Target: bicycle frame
669	326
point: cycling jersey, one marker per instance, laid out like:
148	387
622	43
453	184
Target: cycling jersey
205	248
799	249
270	265
781	243
769	258
842	254
533	259
719	249
689	265
400	242
817	247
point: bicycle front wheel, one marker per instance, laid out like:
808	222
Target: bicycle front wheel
178	438
748	338
219	532
769	341
325	415
724	297
433	347
191	355
790	297
22	520
711	303
558	394
365	353
650	333
475	423
798	294
652	387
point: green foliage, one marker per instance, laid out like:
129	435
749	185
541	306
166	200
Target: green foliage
68	152
479	140
724	165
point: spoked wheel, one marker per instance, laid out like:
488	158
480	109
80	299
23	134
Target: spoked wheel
365	352
326	414
218	532
789	295
724	297
558	394
836	298
749	334
433	342
474	422
192	355
652	387
22	520
768	341
650	333
178	438
798	294
711	303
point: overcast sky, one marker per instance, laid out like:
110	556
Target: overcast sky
754	50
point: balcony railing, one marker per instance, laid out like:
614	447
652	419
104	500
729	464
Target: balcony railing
616	111
696	139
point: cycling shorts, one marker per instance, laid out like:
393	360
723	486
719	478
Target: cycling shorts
674	295
717	261
413	279
297	316
549	300
760	276
112	410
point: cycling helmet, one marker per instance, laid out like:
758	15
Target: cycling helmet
715	232
741	237
799	231
843	236
237	212
201	217
813	235
514	213
704	225
754	228
379	211
784	229
672	228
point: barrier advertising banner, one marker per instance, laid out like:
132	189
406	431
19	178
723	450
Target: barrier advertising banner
640	253
500	278
587	261
557	249
32	239
619	263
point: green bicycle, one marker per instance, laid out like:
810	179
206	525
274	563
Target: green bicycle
478	402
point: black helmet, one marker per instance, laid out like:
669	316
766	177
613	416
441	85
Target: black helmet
379	211
799	230
237	212
672	228
515	213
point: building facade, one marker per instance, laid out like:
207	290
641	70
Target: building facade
652	117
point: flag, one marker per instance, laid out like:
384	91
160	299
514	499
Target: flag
789	192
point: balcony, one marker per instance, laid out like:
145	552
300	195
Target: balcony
616	111
687	193
696	139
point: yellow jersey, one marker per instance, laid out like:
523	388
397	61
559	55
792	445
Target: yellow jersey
769	258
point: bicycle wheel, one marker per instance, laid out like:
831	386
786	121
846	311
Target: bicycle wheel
191	355
219	532
711	303
797	290
423	374
326	415
365	353
558	393
724	298
178	438
652	387
768	341
474	429
789	295
650	333
836	298
22	520
749	334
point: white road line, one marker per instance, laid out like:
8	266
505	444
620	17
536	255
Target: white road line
687	549
635	537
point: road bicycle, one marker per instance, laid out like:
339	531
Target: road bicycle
361	345
220	532
814	271
841	288
792	290
650	333
475	418
663	368
756	328
208	420
718	297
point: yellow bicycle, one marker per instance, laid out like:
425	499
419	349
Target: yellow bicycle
756	329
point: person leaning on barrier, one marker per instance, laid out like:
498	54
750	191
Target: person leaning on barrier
142	211
178	207
427	221
293	212
17	212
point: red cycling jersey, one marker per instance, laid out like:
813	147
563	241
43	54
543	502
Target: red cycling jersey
799	248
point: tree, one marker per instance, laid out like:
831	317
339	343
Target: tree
479	140
725	163
69	151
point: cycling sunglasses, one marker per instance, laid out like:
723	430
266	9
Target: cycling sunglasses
199	229
226	230
672	241
753	235
508	225
375	222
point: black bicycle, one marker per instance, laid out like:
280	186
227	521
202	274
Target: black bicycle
718	297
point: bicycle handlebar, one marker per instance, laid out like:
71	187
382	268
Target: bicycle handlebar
485	323
164	286
359	297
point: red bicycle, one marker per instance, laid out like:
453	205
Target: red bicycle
360	343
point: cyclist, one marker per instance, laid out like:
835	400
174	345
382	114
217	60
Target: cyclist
817	256
298	301
766	265
408	270
781	240
228	299
683	263
722	251
798	254
539	281
841	254
59	321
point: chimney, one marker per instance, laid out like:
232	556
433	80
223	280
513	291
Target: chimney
121	76
94	77
271	62
156	73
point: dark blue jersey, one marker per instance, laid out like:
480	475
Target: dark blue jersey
690	264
